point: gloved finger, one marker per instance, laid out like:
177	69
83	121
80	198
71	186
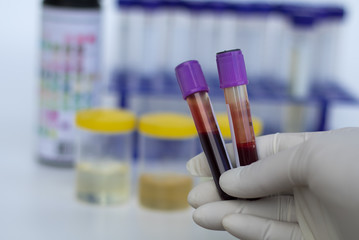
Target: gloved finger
280	208
203	193
256	228
266	146
275	174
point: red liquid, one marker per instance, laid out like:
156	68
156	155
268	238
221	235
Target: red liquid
247	153
243	129
211	140
216	155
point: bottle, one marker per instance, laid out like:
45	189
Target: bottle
104	155
70	71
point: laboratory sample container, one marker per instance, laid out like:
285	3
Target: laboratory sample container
251	35
154	45
194	90
327	44
225	25
233	80
302	51
104	155
70	74
132	25
302	54
166	142
178	37
277	53
127	26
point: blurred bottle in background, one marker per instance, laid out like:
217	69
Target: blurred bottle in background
301	52
205	38
327	45
70	73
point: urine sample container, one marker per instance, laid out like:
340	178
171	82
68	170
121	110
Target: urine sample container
166	142
104	153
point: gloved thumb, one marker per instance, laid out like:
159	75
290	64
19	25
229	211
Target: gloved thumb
269	176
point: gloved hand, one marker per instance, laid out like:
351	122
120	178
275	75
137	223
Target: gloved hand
308	185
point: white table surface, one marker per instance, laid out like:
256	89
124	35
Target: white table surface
38	202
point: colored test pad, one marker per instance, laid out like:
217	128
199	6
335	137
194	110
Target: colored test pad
195	91
233	80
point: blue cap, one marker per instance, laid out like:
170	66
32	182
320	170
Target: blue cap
174	4
151	5
127	3
253	8
302	19
333	12
218	6
195	6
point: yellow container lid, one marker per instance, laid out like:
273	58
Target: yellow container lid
167	125
222	119
106	120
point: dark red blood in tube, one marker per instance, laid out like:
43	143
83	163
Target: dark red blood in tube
211	140
247	153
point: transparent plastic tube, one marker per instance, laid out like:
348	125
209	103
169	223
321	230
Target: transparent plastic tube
241	122
233	80
301	72
194	89
327	43
251	35
154	39
179	40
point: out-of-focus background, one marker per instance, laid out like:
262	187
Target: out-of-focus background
301	60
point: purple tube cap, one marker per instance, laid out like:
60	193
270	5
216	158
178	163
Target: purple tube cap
190	78
231	68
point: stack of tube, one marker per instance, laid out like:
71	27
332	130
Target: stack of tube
291	50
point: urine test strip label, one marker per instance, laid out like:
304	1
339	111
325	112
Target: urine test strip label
69	75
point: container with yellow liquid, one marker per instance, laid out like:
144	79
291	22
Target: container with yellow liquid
166	142
104	153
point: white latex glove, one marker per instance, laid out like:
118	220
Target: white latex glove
308	184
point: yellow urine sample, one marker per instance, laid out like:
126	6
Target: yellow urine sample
102	182
166	191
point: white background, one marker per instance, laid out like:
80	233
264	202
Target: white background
37	202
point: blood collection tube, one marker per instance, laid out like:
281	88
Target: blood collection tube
233	80
195	91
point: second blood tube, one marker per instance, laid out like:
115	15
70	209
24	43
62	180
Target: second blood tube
233	80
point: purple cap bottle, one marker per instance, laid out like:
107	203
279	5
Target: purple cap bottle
190	78
233	80
231	68
195	91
